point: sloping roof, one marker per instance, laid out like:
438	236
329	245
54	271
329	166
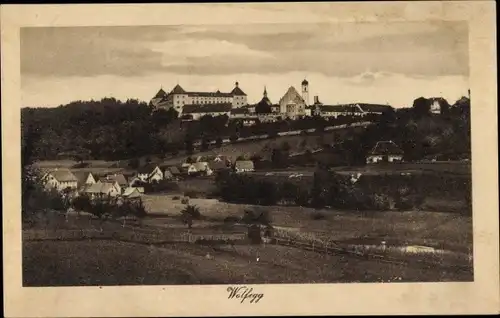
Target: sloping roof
209	94
292	94
118	177
237	92
386	148
131	193
207	108
200	166
178	90
338	108
161	93
81	176
102	187
244	164
374	108
63	175
167	174
240	111
174	170
147	168
218	165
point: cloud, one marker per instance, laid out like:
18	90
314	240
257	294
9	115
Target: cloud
334	49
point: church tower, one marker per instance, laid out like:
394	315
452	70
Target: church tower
265	92
305	91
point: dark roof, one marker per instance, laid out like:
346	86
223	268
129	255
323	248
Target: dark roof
375	108
244	164
63	175
81	176
174	170
161	93
207	108
237	92
209	94
218	165
147	168
239	111
178	90
338	108
305	82
118	177
386	148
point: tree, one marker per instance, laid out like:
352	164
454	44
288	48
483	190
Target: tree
204	143
233	138
279	158
263	108
189	145
286	146
190	213
134	163
218	142
421	107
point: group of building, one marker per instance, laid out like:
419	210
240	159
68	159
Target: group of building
234	104
131	185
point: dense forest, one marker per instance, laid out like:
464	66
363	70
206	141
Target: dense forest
111	129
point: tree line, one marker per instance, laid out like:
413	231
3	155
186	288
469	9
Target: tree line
111	129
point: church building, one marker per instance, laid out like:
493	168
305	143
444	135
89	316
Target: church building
292	104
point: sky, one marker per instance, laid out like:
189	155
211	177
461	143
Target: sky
388	63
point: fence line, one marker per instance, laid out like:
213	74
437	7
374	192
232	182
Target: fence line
326	249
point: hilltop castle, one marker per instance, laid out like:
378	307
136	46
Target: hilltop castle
178	98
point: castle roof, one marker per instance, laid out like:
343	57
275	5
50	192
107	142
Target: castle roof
161	93
178	90
237	92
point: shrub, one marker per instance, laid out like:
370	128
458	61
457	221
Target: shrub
81	165
190	213
81	203
185	200
232	219
257	216
192	194
318	216
174	198
381	202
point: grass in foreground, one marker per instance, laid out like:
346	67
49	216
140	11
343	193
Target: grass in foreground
92	263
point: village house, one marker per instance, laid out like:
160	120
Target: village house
201	168
243	166
60	179
385	151
172	171
84	178
103	189
118	177
132	193
149	174
218	166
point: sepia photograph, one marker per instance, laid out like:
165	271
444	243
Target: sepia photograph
247	154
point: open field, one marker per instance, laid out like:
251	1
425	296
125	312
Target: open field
117	263
441	230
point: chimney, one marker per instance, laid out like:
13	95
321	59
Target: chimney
316	100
